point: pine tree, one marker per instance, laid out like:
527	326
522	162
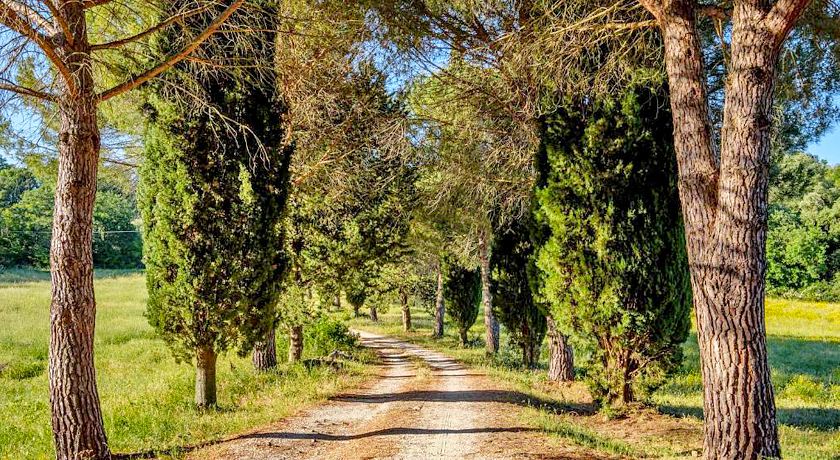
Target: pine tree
462	294
614	266
212	204
513	302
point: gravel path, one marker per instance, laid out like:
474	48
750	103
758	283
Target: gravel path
421	406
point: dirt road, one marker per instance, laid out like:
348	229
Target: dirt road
421	406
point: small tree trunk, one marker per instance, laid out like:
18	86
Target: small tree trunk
561	365
439	307
406	312
295	343
373	316
462	335
77	425
265	352
356	308
205	378
491	327
338	301
530	350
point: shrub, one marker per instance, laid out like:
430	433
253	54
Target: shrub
614	267
462	294
327	335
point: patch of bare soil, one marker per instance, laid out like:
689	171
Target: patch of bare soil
423	405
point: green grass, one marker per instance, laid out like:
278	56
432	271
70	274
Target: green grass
804	354
146	396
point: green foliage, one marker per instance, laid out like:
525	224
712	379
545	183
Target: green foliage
327	335
356	294
803	237
462	294
614	267
796	253
349	216
513	302
26	212
213	193
14	182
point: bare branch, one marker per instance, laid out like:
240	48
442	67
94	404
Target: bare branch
93	3
28	92
714	11
10	16
782	17
32	17
149	31
163	66
654	7
60	20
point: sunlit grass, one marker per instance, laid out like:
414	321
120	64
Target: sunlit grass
146	396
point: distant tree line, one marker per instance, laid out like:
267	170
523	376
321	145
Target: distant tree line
26	218
803	236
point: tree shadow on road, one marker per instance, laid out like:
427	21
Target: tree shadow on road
479	396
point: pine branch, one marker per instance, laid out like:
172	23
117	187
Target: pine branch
10	16
163	66
22	90
147	32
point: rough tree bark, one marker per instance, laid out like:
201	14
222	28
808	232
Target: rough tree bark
439	306
338	301
356	308
491	326
74	399
373	316
561	360
295	343
60	31
265	352
205	378
406	312
724	204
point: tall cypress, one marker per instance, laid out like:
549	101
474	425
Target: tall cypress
462	294
614	266
213	189
513	301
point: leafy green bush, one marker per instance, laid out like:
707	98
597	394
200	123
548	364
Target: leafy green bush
326	335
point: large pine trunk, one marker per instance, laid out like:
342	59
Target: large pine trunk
439	306
295	343
561	361
724	202
76	415
205	378
265	352
491	326
406	311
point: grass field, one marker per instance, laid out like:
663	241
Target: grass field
804	351
146	396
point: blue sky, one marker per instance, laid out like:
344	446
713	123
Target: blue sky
828	148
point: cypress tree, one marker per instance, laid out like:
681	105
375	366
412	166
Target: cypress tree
212	205
614	266
462	294
513	302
